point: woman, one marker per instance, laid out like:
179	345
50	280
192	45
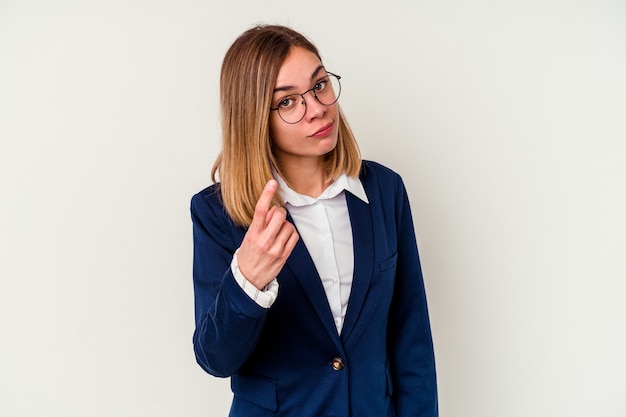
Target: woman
329	319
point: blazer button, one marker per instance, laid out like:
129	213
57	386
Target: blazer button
337	364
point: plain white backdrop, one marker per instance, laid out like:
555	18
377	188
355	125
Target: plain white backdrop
506	119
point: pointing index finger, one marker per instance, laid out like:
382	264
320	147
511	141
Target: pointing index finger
264	203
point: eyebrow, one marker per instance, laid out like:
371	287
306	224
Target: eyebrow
291	87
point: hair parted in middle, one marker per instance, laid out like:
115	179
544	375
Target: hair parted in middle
249	72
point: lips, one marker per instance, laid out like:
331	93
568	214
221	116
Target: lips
324	131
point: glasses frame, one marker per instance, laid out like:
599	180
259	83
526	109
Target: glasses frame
312	89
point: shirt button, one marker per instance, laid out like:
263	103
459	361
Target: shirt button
337	364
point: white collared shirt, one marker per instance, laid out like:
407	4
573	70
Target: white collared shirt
324	226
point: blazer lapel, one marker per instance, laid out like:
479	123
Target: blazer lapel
363	241
302	267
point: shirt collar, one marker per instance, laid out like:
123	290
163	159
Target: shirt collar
343	182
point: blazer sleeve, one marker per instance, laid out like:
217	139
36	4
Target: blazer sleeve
228	321
412	361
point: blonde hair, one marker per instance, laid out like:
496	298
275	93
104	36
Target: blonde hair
247	81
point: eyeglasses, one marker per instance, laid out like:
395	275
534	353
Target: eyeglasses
326	91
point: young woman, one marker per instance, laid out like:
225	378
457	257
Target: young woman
307	280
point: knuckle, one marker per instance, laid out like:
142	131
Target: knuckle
274	253
266	247
277	211
284	256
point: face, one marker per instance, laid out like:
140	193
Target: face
316	134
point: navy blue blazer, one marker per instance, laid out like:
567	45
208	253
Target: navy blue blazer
289	360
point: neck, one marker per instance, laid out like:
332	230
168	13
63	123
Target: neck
307	179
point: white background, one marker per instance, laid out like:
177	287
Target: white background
506	120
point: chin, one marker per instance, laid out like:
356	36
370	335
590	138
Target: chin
331	146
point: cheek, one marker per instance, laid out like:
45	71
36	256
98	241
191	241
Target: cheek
279	133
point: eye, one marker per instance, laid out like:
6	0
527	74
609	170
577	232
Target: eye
287	102
321	84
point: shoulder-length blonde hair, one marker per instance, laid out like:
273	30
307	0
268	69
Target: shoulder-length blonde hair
248	77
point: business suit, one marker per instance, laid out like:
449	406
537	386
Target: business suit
289	360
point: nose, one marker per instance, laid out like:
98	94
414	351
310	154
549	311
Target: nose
314	108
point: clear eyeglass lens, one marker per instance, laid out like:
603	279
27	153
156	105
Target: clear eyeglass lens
292	108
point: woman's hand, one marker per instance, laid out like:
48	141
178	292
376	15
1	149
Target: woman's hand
268	242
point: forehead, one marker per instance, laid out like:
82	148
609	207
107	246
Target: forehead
298	68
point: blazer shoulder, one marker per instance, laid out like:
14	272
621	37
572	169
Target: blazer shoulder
209	199
208	211
212	192
375	173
